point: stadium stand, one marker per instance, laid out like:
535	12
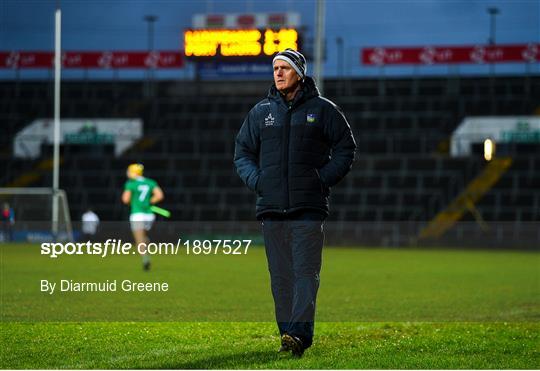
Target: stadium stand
402	126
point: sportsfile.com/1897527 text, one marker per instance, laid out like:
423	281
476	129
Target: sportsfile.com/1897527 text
118	247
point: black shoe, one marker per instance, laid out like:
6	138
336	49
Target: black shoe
146	266
284	348
294	344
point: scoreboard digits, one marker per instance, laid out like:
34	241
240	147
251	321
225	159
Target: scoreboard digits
278	41
238	43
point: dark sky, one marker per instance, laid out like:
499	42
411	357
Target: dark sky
119	25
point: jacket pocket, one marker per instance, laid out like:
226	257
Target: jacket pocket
319	179
324	189
259	185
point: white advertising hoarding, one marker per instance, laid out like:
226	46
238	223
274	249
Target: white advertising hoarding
515	129
123	133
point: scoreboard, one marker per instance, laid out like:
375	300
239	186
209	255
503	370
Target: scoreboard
243	43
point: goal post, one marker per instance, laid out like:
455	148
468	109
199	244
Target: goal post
38	213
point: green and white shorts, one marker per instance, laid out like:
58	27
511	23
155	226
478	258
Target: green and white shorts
140	221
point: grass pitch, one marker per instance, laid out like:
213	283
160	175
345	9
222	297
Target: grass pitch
377	308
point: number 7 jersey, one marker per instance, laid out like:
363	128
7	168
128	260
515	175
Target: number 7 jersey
141	189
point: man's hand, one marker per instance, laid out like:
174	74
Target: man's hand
126	197
157	196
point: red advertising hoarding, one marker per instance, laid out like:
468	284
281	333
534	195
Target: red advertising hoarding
430	55
100	60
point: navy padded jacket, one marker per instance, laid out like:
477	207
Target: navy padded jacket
291	154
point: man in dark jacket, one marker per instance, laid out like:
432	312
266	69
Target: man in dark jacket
292	147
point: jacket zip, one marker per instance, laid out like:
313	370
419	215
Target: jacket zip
286	133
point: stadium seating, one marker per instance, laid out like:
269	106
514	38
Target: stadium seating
403	171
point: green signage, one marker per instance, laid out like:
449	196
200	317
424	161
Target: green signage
88	135
521	134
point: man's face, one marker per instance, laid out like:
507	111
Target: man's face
285	77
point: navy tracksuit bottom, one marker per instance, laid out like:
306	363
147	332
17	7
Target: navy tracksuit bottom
294	250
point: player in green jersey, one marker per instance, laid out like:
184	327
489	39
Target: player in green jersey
141	193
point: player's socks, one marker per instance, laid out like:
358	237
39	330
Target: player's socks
146	262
